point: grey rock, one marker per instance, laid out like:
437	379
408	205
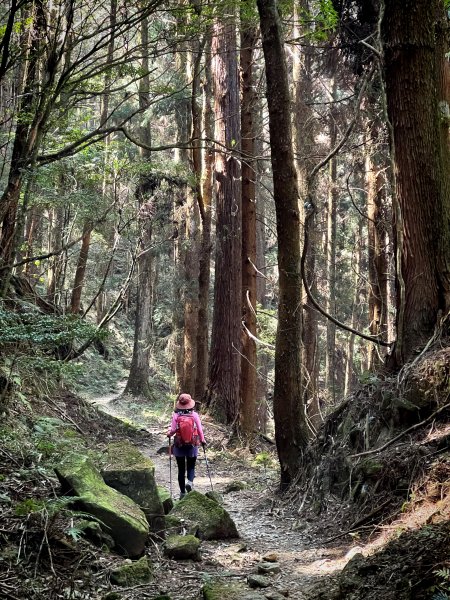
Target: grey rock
269	568
258	581
182	547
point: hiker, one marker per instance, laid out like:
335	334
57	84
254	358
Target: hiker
188	431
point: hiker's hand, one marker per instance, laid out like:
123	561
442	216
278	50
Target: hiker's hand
168	434
204	445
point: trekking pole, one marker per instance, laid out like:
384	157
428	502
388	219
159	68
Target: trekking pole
207	468
170	468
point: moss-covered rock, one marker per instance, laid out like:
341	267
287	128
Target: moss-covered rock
112	596
118	515
219	589
132	573
235	486
215	496
165	498
92	530
205	518
174	524
131	473
182	547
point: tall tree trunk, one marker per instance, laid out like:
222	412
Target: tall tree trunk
80	272
24	147
190	294
377	250
33	240
44	54
330	252
139	376
183	201
104	108
194	208
249	355
290	427
413	72
56	227
224	363
264	358
303	137
178	216
356	260
205	243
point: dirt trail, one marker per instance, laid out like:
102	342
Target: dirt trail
263	527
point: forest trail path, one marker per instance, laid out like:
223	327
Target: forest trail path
264	526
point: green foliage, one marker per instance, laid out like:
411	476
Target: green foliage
53	439
48	508
47	332
107	374
28	507
320	21
32	346
18	26
442	588
74	532
264	459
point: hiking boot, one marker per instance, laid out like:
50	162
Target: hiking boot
182	495
189	486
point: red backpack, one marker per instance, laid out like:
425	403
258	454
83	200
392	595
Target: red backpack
186	433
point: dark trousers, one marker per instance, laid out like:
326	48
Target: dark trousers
184	462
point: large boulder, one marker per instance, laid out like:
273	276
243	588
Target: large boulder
131	473
118	515
205	518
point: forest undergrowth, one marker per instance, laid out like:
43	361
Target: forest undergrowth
360	524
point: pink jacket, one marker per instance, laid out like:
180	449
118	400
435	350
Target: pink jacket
173	426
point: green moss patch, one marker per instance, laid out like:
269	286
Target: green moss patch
118	514
205	518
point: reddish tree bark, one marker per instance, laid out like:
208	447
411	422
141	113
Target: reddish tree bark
249	354
413	70
224	362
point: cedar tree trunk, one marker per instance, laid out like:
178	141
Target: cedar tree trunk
413	71
224	361
289	415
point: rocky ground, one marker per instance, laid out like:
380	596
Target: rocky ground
42	559
308	549
266	526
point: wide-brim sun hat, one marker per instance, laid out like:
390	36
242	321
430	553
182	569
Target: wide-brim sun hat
185	402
